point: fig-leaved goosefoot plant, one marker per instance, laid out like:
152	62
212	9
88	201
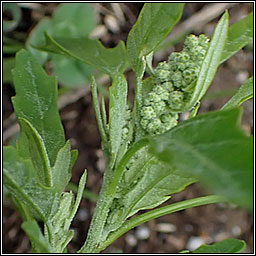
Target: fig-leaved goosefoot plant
150	155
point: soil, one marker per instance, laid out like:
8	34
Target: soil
183	229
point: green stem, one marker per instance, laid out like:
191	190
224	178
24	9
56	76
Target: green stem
99	216
130	224
125	159
106	197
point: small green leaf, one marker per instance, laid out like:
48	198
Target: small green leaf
73	157
211	61
96	105
213	148
36	101
61	221
38	241
79	196
117	110
110	61
239	34
226	246
61	169
20	178
59	232
244	93
153	25
37	152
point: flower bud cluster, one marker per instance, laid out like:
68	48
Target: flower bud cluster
174	82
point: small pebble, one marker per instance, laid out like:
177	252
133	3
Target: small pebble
221	236
142	232
131	240
82	215
98	32
189	228
194	242
111	23
236	231
242	76
165	227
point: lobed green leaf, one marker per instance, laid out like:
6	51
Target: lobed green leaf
213	148
110	61
36	101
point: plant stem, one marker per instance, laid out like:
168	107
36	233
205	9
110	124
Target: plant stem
105	199
123	162
130	224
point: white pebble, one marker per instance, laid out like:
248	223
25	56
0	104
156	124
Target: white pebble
82	214
236	231
131	240
194	242
242	76
142	232
165	227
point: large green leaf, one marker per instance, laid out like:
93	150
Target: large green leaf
145	184
211	61
36	101
226	246
244	93
108	60
213	148
239	34
117	110
153	25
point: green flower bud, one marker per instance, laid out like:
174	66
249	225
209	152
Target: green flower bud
176	100
168	86
159	108
174	82
154	125
148	112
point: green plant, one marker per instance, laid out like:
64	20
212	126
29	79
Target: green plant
69	21
149	154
